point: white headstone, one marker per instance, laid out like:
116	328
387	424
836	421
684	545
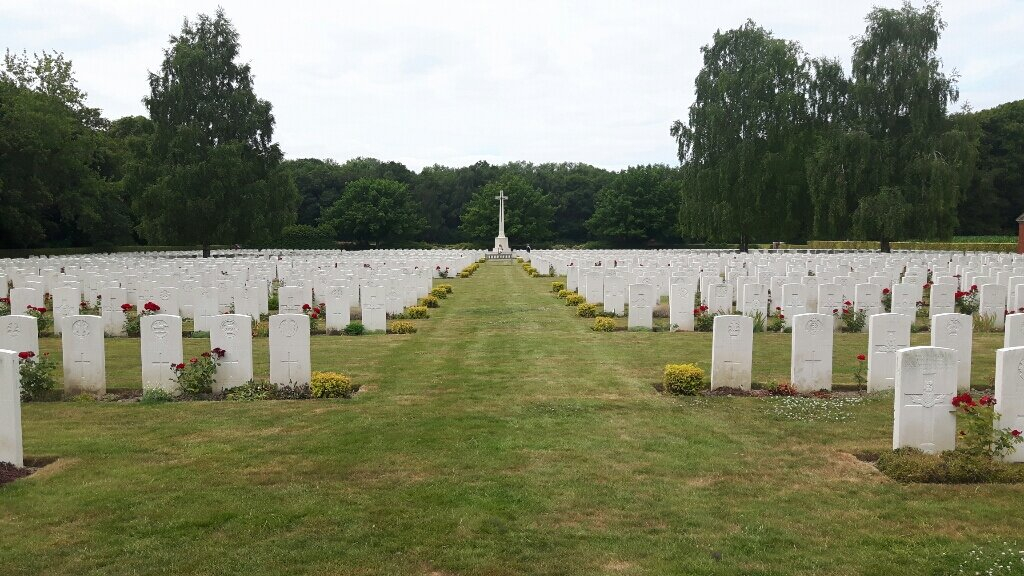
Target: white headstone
732	350
290	299
924	416
113	315
233	334
954	331
66	302
1013	331
1009	394
205	307
289	349
338	307
942	299
161	349
19	333
680	305
993	303
614	297
11	450
168	299
641	306
811	361
374	315
83	355
887	335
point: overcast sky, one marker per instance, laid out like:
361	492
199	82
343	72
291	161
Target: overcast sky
454	82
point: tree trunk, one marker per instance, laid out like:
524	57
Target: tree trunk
206	251
884	246
744	244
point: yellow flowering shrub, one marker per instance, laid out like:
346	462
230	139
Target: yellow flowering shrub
574	299
331	385
586	310
564	293
401	327
686	379
603	324
430	301
446	287
416	312
557	286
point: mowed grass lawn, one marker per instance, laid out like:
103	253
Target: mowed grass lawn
503	438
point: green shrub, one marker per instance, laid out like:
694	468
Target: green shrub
306	237
557	286
274	302
156	396
331	385
446	287
417	313
704	322
430	301
586	310
564	293
953	467
685	379
197	375
574	299
252	390
439	293
603	324
199	334
37	375
354	328
401	327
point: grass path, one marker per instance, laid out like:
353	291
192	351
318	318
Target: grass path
503	438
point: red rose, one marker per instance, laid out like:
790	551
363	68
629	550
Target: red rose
26	355
152	307
987	400
305	307
835	310
885	290
41	310
696	311
847	303
206	354
861	357
974	287
781	316
180	366
126	306
1015	433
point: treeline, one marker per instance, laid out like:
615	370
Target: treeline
777	145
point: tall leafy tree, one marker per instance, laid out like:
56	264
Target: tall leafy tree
216	173
528	212
744	144
995	196
375	211
900	98
639	205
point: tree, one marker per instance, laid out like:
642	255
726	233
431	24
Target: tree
745	141
215	171
50	74
377	211
884	215
638	206
528	212
995	195
919	156
56	186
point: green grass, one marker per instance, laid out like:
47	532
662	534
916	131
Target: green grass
505	437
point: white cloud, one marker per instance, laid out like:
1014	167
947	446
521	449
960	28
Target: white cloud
459	81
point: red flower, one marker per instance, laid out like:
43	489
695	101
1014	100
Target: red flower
974	287
26	355
885	290
781	316
965	400
193	361
180	366
835	310
861	357
305	307
987	401
314	315
847	303
152	307
219	352
5	300
126	306
206	354
778	308
41	310
696	311
1015	433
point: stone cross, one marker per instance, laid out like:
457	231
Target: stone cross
501	212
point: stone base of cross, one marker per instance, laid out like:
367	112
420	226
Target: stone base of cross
501	244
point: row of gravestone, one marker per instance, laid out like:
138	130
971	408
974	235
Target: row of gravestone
84	358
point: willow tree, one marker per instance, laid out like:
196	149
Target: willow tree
744	143
920	159
214	174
